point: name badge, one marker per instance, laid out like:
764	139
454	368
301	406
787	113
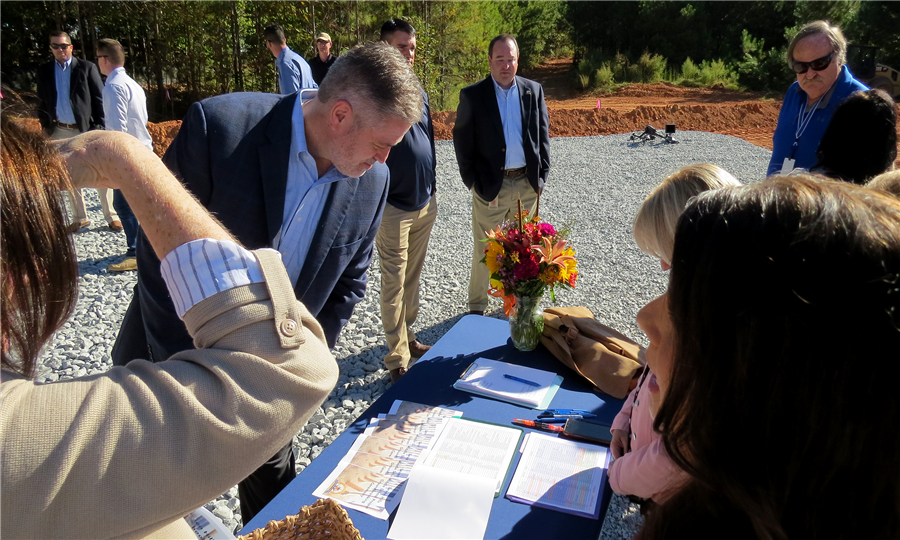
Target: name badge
787	166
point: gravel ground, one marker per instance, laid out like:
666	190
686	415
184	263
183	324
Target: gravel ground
596	186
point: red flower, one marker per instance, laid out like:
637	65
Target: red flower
547	229
527	267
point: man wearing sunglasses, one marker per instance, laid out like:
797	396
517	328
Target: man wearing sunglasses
71	102
817	55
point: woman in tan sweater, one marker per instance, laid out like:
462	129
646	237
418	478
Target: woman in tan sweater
129	452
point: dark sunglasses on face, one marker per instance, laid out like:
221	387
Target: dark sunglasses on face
816	65
62	46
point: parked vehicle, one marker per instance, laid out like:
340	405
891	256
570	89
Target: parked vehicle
861	61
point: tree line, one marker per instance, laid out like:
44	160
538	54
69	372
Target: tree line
749	39
183	50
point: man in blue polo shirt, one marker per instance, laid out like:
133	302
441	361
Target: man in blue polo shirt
409	215
293	71
817	55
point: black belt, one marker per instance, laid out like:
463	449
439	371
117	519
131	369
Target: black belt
68	126
515	172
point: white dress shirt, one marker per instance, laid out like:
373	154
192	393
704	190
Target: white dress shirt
125	106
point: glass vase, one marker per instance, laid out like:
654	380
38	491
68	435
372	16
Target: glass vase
526	323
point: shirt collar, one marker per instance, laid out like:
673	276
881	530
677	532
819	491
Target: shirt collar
114	73
499	88
65	65
298	133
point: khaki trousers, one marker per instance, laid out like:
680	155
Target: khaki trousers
486	215
76	199
402	242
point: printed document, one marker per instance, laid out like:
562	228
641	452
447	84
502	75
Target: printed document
475	448
560	474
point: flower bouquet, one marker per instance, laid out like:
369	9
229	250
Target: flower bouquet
526	257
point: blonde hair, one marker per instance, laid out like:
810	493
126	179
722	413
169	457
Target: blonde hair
888	182
654	225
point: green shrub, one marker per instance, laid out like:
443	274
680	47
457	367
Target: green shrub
603	77
633	73
582	81
652	66
620	67
585	66
761	69
716	72
689	71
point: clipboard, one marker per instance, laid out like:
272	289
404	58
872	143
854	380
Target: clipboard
485	377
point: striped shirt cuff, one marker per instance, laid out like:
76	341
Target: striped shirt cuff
199	269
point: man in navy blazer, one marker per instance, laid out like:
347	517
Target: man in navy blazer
305	177
502	142
78	109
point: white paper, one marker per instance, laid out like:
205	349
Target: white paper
443	504
475	448
559	474
372	475
207	526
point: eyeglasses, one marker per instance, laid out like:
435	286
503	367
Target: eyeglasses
322	41
817	65
62	46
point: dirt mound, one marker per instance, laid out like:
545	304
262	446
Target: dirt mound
752	120
162	134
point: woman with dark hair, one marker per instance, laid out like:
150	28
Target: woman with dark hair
778	382
860	142
130	452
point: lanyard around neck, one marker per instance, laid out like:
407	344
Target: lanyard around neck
803	120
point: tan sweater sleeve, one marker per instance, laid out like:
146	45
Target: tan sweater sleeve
126	452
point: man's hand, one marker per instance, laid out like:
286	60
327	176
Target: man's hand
98	158
619	444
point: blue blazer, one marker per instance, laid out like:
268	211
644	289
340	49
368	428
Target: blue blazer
232	154
481	145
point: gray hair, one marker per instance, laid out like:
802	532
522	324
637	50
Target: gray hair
833	33
377	82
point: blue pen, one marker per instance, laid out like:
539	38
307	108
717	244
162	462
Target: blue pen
552	420
565	411
517	379
581	416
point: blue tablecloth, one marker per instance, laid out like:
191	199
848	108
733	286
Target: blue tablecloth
430	381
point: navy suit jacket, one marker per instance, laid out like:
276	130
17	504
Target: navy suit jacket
232	154
481	145
85	95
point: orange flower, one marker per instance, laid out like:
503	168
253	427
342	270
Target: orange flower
554	254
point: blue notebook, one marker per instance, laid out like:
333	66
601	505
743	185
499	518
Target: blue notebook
520	385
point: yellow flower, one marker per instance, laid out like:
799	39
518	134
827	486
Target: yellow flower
493	253
569	269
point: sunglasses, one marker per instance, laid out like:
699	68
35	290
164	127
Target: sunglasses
62	46
816	65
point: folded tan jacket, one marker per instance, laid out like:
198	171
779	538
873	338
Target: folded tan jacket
603	356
